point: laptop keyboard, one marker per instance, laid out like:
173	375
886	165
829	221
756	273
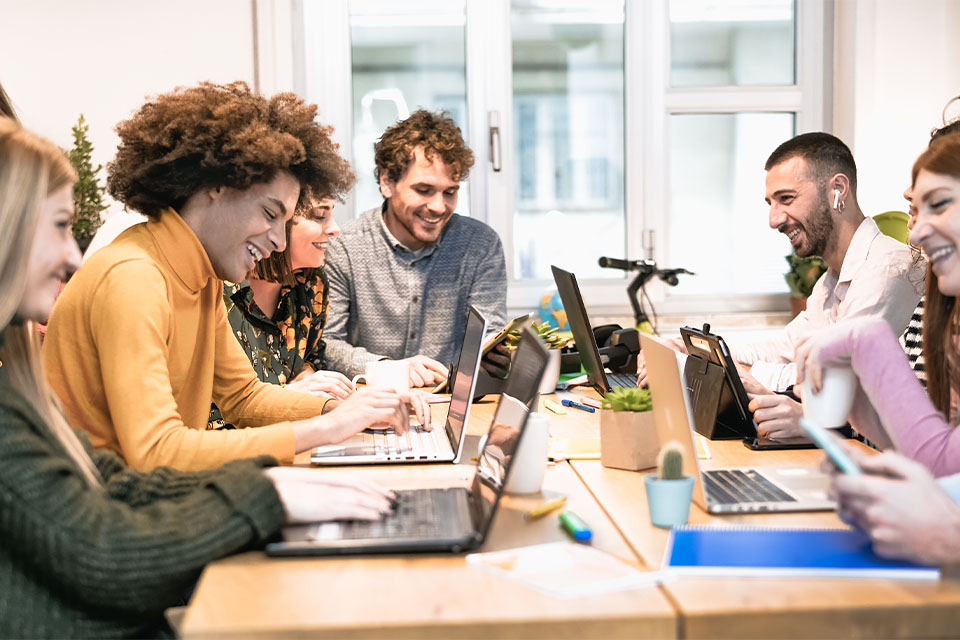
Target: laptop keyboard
622	379
421	513
735	486
417	443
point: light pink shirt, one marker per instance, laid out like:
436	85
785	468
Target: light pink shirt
879	277
891	408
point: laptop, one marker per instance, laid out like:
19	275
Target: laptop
583	336
720	491
734	420
419	445
453	519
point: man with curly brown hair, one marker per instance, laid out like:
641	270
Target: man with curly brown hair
139	344
402	275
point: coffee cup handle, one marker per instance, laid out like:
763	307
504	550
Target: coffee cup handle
358	377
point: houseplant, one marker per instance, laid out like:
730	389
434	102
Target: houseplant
803	274
668	490
628	435
88	206
554	342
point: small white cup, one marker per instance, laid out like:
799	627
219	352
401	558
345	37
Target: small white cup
530	459
831	406
386	374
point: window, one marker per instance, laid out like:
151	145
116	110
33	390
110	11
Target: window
601	127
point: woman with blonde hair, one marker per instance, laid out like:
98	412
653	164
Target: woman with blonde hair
88	546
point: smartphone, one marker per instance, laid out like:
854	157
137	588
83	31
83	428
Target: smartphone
492	341
830	445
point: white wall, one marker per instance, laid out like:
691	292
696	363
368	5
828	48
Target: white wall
897	63
61	58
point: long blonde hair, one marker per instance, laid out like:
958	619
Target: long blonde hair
31	169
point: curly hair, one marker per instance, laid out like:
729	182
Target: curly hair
436	133
215	135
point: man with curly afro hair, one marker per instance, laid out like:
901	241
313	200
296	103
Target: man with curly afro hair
403	275
139	344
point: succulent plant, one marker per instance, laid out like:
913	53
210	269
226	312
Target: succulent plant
628	399
544	331
670	461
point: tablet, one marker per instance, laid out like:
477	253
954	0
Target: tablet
733	411
493	340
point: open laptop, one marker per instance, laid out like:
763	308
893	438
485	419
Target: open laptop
721	491
583	336
454	519
734	420
419	445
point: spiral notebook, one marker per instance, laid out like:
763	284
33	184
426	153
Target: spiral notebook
762	552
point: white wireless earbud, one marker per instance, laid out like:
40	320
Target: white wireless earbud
836	198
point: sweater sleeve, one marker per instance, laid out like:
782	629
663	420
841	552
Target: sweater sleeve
489	291
340	354
105	552
899	402
131	327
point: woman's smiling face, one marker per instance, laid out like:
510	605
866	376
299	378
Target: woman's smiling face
310	233
936	226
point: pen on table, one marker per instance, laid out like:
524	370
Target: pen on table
577	405
575	526
545	508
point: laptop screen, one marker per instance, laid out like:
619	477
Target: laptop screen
463	383
580	326
503	436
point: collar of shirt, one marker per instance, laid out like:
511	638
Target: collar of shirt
398	246
242	296
857	252
182	250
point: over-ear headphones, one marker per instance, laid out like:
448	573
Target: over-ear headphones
836	197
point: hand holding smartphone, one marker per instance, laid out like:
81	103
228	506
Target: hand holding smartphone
830	445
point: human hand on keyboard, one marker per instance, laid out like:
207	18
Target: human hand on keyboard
371	407
312	495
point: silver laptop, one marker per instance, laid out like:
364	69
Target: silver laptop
593	362
419	445
453	519
733	490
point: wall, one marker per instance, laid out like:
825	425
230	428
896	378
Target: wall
895	67
61	58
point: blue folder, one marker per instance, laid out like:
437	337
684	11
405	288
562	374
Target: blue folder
752	551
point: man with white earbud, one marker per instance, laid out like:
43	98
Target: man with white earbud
811	188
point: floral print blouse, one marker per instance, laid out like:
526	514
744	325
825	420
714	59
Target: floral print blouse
279	347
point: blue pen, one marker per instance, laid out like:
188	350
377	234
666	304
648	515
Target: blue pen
577	405
575	526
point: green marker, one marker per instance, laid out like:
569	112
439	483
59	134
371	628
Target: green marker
575	526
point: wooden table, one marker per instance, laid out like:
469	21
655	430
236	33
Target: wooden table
442	596
756	607
428	596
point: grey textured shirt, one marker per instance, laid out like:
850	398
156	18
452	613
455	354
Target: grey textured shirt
386	302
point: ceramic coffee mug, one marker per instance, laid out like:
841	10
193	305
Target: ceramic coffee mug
831	406
530	460
386	374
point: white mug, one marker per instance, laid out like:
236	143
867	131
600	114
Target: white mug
386	374
530	459
831	406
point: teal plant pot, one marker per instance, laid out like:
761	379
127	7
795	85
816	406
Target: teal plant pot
669	500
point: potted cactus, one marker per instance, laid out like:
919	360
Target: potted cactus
628	435
668	490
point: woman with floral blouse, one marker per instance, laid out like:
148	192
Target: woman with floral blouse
278	313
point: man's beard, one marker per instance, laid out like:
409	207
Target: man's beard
818	231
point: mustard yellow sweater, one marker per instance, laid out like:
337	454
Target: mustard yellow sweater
139	345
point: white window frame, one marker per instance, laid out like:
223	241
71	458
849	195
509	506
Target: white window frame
649	103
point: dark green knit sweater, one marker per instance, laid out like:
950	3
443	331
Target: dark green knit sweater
80	563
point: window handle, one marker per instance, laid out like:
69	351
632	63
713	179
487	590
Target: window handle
493	121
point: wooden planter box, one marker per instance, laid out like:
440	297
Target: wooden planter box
628	440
